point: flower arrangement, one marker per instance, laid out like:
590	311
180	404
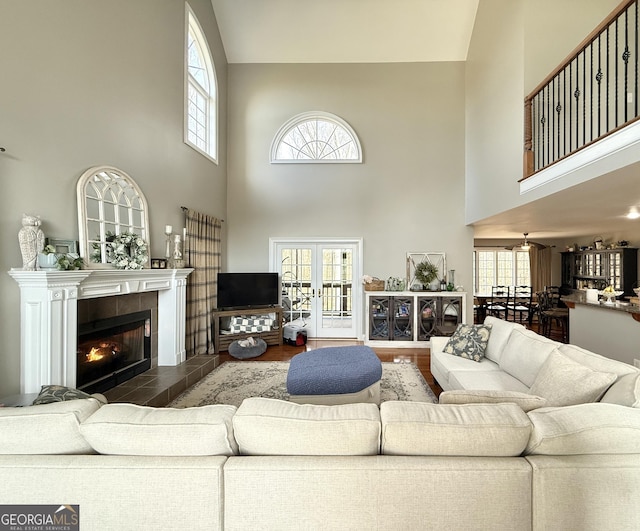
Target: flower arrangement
124	251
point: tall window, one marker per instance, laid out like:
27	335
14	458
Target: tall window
201	103
316	137
500	267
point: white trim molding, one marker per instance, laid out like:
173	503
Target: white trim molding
49	317
614	149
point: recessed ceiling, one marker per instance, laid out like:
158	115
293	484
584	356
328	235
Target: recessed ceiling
595	207
345	31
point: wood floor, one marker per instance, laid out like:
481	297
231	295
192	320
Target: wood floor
161	385
418	356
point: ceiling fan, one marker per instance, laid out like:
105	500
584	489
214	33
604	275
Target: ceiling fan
526	244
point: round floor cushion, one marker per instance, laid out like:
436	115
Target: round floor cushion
241	352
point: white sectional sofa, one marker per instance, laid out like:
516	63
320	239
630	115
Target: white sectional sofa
514	359
272	464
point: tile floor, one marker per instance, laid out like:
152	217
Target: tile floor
157	387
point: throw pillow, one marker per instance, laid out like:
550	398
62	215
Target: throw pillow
626	391
469	341
58	393
563	382
526	401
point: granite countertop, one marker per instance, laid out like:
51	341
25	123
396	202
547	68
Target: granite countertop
620	306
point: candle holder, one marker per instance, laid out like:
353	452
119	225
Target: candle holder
176	261
168	230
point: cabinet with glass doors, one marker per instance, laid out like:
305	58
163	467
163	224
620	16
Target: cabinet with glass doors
600	268
406	319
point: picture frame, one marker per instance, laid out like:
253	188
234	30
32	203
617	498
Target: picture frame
158	263
63	246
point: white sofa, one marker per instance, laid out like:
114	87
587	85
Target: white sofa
272	464
514	358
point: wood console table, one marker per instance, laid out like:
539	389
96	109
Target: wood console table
273	337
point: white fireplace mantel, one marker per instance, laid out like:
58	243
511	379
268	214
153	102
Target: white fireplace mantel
49	317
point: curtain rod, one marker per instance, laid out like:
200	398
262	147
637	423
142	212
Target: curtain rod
184	209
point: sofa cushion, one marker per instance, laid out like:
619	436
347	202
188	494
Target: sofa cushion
500	332
265	426
446	363
417	428
585	429
596	361
564	382
46	429
469	341
524	354
129	429
625	391
525	401
486	380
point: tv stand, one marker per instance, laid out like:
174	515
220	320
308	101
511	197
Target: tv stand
222	341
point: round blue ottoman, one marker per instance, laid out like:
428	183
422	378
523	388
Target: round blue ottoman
335	375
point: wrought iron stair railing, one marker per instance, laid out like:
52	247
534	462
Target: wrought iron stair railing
592	94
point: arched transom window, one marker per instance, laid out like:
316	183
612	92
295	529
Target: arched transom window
316	137
201	110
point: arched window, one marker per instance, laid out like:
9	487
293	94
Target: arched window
201	102
316	137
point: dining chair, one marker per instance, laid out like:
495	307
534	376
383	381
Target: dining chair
498	304
551	312
521	304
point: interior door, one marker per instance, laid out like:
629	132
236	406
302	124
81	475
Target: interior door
318	288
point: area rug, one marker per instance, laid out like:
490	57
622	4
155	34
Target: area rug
234	381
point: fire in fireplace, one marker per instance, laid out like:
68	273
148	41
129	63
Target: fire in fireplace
113	350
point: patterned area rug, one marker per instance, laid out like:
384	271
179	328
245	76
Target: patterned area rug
234	381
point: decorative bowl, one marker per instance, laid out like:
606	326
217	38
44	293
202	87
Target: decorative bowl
610	296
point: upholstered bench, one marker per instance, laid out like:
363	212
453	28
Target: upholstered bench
335	375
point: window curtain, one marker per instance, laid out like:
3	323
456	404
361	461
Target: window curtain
203	253
540	267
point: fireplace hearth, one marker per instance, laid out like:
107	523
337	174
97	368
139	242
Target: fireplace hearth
113	350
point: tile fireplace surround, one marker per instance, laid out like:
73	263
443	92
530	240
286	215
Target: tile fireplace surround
49	317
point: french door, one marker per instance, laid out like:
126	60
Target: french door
320	286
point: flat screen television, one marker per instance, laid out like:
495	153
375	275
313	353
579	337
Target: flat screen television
246	290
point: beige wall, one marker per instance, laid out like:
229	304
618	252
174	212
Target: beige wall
407	196
494	121
514	46
89	82
553	29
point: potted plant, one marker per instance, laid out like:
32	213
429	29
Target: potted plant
47	258
69	262
426	273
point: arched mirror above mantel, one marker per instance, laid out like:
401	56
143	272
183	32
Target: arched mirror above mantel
109	203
